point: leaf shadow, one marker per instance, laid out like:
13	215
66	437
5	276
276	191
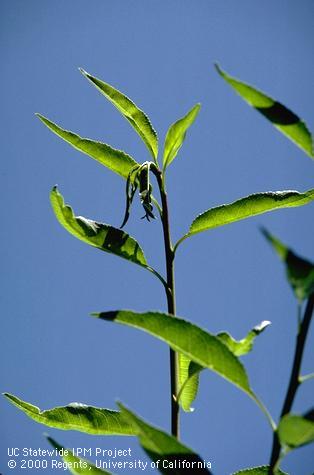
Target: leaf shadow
279	114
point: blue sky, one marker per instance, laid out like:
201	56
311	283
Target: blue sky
161	54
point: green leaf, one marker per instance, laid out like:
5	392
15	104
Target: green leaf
75	465
188	382
295	431
174	457
137	118
102	236
282	118
251	205
189	371
244	346
116	160
76	416
300	272
263	470
176	135
200	346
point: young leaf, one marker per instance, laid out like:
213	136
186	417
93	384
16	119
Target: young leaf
188	382
295	431
116	160
172	456
282	118
300	272
137	118
75	465
251	205
102	236
176	135
76	416
263	470
200	346
244	346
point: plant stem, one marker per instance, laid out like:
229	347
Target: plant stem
294	378
171	302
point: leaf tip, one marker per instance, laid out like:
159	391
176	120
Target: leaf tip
87	75
218	68
119	404
52	441
125	412
197	108
264	231
109	316
9	397
82	70
94	314
54	191
122	408
44	120
261	326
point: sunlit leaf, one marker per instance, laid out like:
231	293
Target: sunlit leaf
102	236
188	381
263	470
300	272
116	160
176	135
182	336
282	118
76	416
174	457
189	371
296	431
75	465
244	346
251	205
137	118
